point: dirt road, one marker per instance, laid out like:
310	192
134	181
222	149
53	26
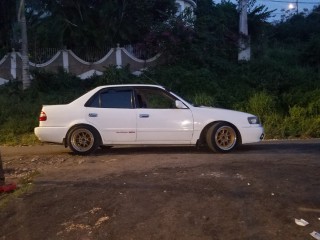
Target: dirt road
165	193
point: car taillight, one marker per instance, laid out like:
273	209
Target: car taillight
43	117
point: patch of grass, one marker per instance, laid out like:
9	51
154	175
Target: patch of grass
24	139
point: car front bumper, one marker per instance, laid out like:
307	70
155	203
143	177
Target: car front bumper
252	134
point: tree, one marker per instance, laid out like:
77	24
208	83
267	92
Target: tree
299	27
7	19
96	23
216	30
172	38
212	37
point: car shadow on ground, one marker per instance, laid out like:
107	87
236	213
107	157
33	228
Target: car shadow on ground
129	150
280	147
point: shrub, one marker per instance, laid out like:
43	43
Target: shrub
273	126
114	75
261	104
203	99
300	123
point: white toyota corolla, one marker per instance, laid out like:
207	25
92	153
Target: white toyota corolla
143	114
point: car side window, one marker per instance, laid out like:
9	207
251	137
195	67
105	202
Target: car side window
154	98
113	98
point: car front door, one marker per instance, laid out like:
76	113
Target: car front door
159	121
112	112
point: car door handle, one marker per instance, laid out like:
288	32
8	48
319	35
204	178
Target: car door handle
93	115
143	115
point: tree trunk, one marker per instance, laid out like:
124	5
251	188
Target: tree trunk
24	46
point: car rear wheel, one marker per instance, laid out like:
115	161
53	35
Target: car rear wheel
83	140
222	137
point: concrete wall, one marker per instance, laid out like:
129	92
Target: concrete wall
184	4
10	64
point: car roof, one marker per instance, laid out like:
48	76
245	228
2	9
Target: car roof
84	98
130	85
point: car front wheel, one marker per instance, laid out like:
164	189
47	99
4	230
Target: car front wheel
83	140
222	137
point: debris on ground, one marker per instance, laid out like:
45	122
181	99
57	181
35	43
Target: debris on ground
316	235
8	188
5	188
301	222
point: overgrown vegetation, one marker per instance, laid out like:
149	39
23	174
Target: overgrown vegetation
281	84
288	109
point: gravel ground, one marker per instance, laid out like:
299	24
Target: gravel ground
142	193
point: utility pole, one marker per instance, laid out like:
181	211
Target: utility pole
244	41
26	81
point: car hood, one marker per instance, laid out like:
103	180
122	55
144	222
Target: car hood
221	110
211	114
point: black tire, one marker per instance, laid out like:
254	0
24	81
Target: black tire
222	137
83	139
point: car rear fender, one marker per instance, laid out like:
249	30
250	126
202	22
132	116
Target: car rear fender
65	142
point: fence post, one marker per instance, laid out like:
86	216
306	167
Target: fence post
118	56
13	64
65	60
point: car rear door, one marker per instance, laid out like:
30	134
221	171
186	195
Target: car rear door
112	112
159	121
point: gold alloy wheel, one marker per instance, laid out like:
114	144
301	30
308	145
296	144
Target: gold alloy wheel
225	138
82	139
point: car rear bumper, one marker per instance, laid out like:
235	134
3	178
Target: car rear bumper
51	134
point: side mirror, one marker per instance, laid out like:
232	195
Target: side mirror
180	105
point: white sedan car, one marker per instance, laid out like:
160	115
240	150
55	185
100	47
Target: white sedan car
146	115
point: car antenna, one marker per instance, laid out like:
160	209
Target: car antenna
153	81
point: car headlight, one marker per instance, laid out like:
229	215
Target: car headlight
253	120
